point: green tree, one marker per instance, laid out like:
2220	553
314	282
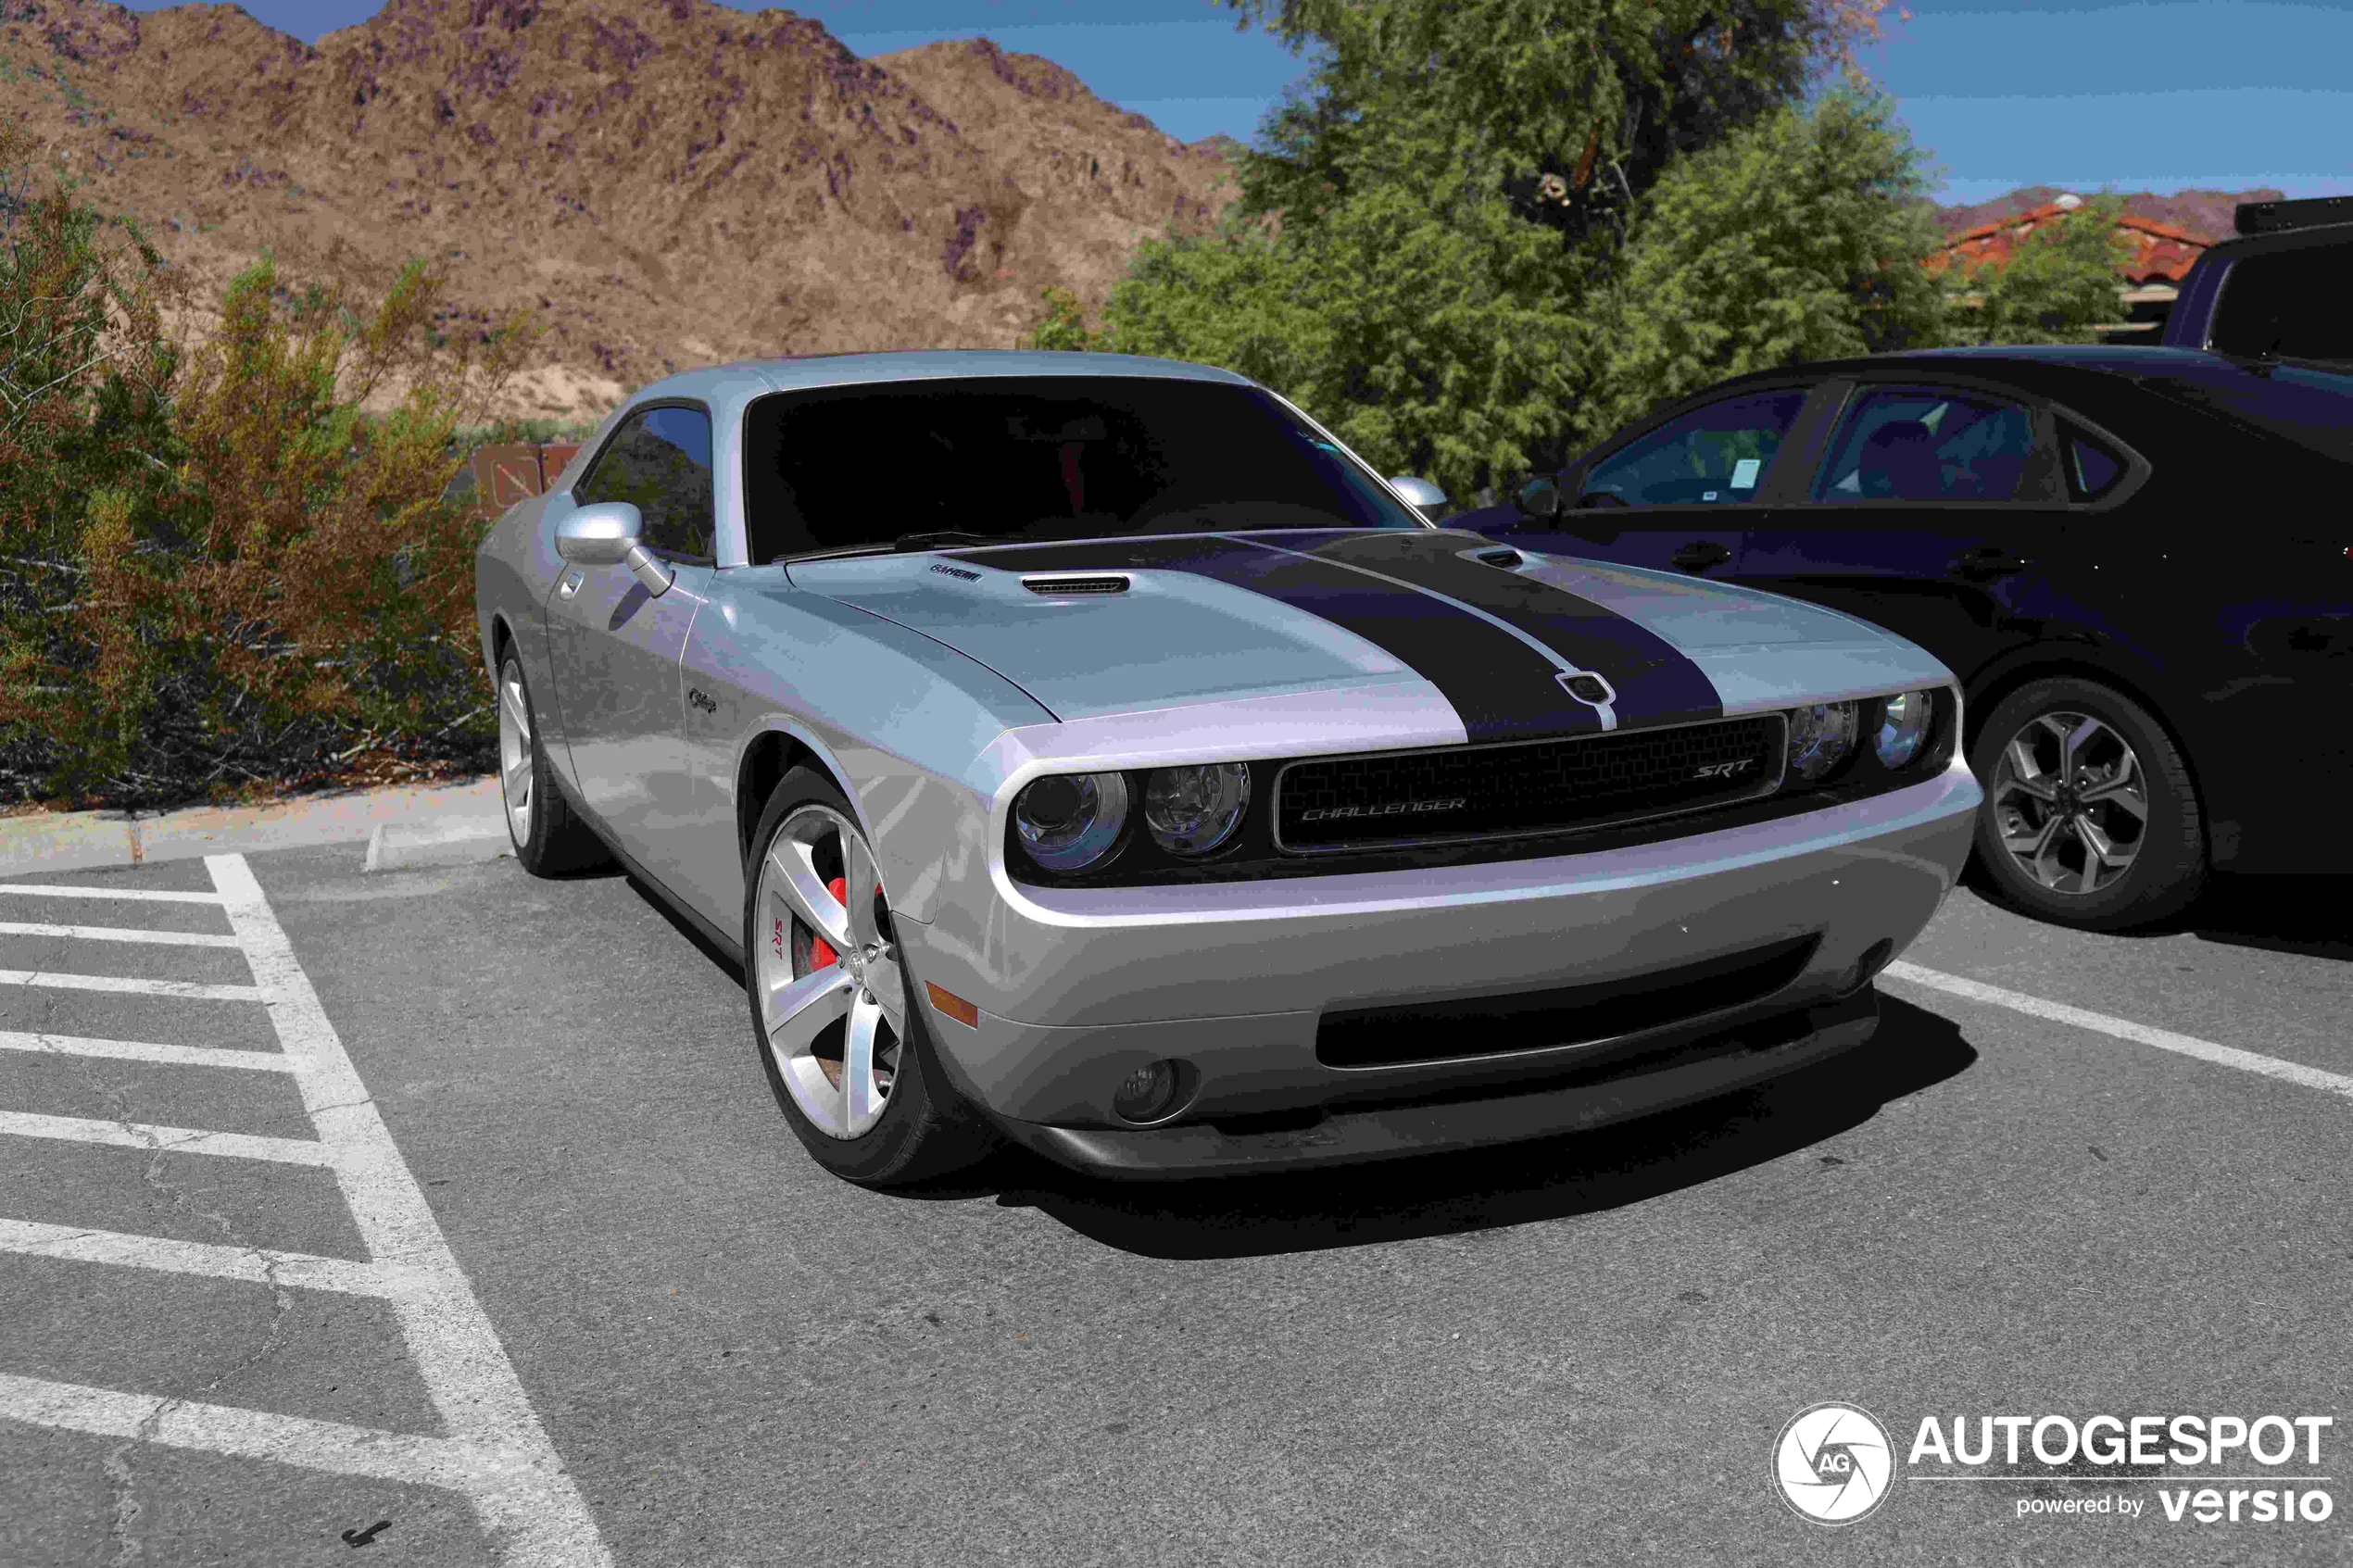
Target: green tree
1799	237
2058	286
1064	326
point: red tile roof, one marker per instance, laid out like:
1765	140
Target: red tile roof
2160	251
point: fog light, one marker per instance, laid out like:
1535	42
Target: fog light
1866	969
1148	1093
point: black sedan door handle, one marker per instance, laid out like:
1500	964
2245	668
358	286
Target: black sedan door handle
1700	554
1987	560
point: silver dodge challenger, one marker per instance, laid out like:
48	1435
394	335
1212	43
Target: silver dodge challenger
1093	751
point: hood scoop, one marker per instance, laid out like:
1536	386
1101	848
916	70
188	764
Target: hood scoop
1099	583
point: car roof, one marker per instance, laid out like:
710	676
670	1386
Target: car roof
790	371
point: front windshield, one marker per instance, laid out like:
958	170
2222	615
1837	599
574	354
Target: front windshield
1036	457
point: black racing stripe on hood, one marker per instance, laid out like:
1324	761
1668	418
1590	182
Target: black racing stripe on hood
1656	683
1501	688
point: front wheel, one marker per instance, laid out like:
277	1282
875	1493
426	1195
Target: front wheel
2091	818
548	836
833	1015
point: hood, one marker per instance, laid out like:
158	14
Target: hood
1520	644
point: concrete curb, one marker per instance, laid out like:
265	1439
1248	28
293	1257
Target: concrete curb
396	847
81	840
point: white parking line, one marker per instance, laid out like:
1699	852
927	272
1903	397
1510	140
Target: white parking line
141	1051
497	1453
254	1265
136	895
186	989
2124	1029
117	934
173	1140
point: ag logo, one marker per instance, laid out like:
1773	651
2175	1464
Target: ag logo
1833	1463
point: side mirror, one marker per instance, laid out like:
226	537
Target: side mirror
1420	493
607	534
602	534
1537	500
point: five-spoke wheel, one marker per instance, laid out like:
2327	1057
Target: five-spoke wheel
845	1045
833	999
2071	802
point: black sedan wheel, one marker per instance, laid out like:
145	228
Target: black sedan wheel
2091	819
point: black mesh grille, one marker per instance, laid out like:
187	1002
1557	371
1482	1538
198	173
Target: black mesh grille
1571	1015
1547	786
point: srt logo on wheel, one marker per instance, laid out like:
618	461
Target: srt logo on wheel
1833	1463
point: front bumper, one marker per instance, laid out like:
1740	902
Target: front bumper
1077	989
1654	1076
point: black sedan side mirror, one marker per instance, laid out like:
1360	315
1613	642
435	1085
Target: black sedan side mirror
1538	498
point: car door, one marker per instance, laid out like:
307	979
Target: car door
1678	495
1934	512
615	646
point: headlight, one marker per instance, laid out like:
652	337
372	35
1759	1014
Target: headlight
1902	727
1192	810
1821	737
1070	820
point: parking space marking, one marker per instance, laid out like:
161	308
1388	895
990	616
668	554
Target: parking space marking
2124	1029
136	895
288	1439
495	1452
173	1140
252	1266
117	934
186	990
143	1050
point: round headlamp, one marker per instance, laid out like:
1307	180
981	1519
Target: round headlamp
1822	738
1068	822
1192	810
1902	727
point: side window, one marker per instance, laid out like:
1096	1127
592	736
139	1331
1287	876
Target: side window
1927	443
2093	468
660	463
1713	455
2287	302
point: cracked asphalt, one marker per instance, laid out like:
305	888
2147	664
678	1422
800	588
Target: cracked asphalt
1568	1352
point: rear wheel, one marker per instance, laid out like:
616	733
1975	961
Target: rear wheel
548	836
2091	818
833	1015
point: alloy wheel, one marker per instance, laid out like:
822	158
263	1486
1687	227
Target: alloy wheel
833	1000
515	751
2071	801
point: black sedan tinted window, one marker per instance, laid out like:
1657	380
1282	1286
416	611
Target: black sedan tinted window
1041	458
1927	443
2293	303
1712	455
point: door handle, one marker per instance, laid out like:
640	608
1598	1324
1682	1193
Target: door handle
1700	554
1987	560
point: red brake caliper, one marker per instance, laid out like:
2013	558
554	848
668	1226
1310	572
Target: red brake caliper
824	954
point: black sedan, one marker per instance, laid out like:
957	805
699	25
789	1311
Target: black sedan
2138	560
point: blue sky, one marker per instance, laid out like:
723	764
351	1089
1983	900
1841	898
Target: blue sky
2146	97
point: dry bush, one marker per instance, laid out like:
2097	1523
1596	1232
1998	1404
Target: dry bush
225	574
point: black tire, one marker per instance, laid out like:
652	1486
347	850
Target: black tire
925	1129
2168	860
555	842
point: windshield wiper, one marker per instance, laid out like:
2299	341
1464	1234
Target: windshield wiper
938	537
904	542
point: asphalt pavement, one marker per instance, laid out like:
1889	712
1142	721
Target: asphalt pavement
581	1298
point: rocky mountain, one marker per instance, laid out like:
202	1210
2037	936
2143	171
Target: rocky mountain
2200	212
663	183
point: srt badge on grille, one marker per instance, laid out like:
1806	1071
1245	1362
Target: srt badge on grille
1724	770
1393	809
